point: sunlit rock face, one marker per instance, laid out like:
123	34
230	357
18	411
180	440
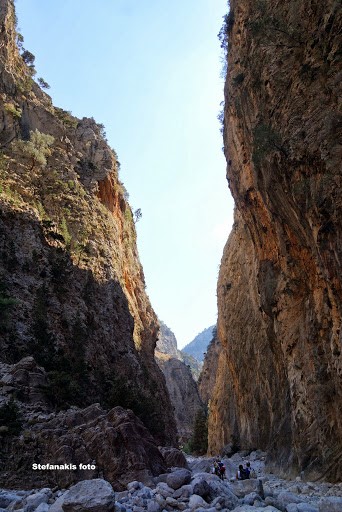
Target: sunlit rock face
180	383
278	384
72	289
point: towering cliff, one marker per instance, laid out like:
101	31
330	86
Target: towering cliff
278	384
72	291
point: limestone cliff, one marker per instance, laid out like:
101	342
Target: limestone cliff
180	383
278	383
207	378
72	290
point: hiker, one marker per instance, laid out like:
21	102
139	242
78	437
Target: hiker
242	473
216	468
222	470
251	471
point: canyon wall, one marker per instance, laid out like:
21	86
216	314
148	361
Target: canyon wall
72	289
278	383
180	383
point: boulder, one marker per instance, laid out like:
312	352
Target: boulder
174	457
57	505
178	478
196	501
153	506
7	497
286	498
202	488
307	507
201	465
330	504
164	490
218	488
43	507
243	487
116	444
183	492
249	499
34	500
89	496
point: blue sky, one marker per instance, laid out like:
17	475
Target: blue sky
149	70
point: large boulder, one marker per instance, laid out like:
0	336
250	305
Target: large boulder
115	444
196	501
174	457
178	478
243	487
198	465
89	496
286	498
202	488
217	488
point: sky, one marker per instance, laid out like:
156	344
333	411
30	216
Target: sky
150	71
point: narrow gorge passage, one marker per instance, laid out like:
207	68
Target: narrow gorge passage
99	409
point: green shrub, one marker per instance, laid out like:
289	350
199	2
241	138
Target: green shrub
198	443
42	83
37	149
12	109
10	419
6	303
128	396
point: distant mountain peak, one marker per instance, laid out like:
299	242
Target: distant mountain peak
198	346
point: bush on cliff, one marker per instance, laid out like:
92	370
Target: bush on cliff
10	419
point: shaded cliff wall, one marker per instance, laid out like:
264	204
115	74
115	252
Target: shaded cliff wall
279	288
72	287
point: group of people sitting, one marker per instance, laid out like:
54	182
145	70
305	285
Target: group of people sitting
245	473
242	474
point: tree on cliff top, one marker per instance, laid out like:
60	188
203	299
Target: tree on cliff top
37	149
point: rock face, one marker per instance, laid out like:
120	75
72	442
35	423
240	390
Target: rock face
116	443
181	386
278	384
72	291
167	342
206	381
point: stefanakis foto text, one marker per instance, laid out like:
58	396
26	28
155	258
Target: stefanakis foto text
62	467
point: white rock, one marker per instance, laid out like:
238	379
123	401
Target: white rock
163	489
34	500
196	501
89	496
43	507
57	506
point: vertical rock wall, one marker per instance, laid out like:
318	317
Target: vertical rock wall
278	384
72	288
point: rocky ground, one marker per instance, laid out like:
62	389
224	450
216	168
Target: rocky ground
186	490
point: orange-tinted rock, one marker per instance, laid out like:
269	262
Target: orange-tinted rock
278	383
